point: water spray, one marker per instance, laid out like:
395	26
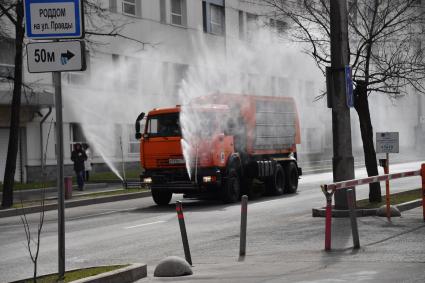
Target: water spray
124	179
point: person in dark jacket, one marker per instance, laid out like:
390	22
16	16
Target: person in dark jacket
78	156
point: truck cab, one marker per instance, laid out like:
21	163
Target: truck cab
161	148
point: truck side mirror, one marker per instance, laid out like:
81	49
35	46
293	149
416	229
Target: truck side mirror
137	125
383	162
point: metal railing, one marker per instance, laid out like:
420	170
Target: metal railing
330	189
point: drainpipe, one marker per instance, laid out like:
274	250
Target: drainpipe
41	138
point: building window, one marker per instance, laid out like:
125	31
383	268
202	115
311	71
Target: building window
129	7
217	19
132	72
76	135
133	143
214	18
113	6
173	76
241	25
278	26
7	57
251	25
177	12
162	11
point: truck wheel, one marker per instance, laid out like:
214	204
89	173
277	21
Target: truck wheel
254	190
291	184
275	185
231	187
161	198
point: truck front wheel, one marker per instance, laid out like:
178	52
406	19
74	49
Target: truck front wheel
161	198
231	187
291	171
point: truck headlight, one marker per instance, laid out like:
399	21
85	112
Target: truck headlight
209	179
147	180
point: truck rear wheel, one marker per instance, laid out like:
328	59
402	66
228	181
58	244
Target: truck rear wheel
161	198
231	187
291	171
275	185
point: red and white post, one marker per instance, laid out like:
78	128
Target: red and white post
423	189
387	187
328	224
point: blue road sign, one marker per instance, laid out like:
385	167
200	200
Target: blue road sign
349	87
54	19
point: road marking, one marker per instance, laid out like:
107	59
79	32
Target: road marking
144	224
92	215
110	211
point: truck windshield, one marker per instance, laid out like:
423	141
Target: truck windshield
165	125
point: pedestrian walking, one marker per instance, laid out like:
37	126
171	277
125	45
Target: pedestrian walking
78	156
88	162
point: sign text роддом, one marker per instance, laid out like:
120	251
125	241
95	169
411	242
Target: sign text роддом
54	19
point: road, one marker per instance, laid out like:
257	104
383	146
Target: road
280	230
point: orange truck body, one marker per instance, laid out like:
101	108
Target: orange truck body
248	137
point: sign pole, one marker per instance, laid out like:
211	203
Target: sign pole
56	19
387	187
60	181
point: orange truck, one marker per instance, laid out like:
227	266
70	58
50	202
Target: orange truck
237	138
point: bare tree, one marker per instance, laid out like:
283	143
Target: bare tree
99	22
33	244
386	54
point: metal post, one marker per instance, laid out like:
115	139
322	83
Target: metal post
387	187
353	218
328	224
180	216
342	161
244	214
423	189
60	172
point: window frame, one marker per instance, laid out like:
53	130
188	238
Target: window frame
133	141
207	20
129	2
220	10
173	14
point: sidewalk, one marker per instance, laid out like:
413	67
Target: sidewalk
390	252
79	198
52	192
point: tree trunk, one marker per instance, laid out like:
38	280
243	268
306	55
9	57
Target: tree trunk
361	105
34	277
12	150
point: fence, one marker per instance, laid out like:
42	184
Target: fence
330	189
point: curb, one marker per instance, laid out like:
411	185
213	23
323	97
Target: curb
72	203
321	212
409	205
127	274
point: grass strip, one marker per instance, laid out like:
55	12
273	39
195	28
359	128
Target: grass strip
84	196
94	177
76	274
396	198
